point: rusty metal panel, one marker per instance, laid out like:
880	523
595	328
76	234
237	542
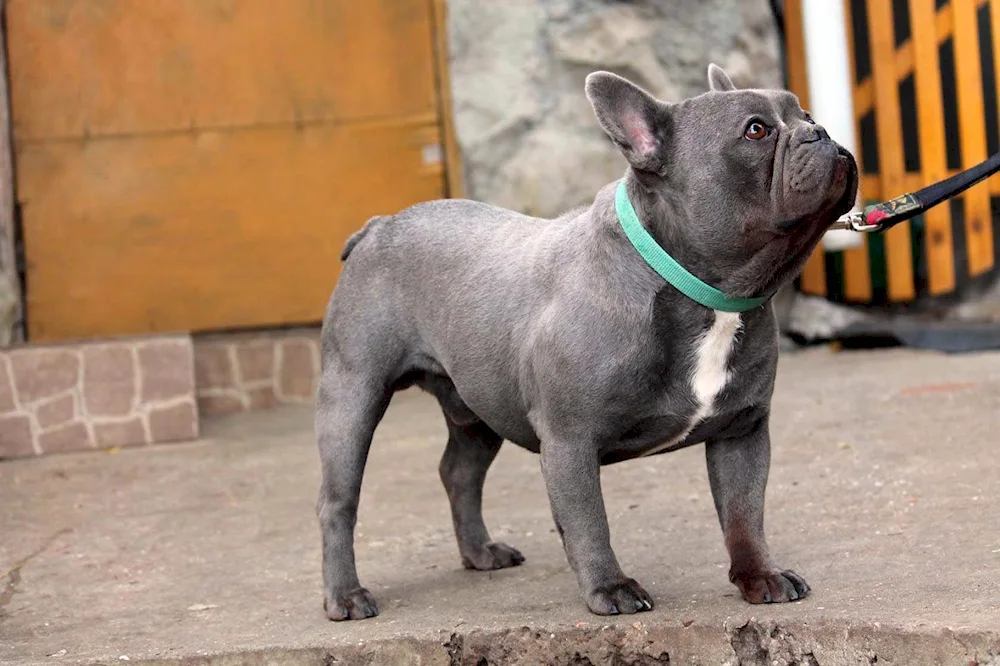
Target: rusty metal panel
207	230
189	165
91	68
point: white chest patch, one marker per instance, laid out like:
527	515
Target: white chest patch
711	370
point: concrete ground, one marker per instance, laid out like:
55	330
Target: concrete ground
883	495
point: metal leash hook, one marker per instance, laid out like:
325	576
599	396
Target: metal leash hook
854	221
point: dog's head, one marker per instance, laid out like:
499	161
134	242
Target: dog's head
744	180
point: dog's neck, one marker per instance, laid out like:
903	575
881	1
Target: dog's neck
760	273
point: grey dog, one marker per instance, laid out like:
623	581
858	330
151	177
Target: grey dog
558	336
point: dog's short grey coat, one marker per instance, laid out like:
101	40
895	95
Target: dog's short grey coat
557	336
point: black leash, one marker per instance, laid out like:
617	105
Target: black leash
881	216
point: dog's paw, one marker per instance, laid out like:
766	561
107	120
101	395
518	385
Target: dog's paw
357	604
623	597
773	587
494	555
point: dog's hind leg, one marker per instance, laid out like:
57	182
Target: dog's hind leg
470	451
349	406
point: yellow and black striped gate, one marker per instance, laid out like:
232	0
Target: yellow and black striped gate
925	103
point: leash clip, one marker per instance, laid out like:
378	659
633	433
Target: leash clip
855	221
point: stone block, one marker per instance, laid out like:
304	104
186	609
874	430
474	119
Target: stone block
44	372
166	369
70	437
7	403
120	433
56	412
262	398
220	404
256	361
15	436
297	378
175	423
213	366
109	380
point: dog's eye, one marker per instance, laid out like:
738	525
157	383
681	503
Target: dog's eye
809	119
756	131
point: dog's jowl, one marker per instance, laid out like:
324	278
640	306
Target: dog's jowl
635	326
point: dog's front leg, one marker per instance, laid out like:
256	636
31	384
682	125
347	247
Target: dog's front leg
573	480
737	471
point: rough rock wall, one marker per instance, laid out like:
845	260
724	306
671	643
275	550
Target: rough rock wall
528	136
10	284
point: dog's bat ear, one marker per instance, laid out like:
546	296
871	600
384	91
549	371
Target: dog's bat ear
637	122
718	80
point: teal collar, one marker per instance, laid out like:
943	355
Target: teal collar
667	266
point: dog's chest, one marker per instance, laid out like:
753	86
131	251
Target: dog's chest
711	361
710	372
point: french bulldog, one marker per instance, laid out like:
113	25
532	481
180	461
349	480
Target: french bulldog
559	336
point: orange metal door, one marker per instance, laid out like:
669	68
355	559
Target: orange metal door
198	164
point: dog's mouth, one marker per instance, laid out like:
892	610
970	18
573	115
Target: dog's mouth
843	179
845	172
841	169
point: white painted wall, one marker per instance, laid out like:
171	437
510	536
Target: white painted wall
829	76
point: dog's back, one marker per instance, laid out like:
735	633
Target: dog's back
459	220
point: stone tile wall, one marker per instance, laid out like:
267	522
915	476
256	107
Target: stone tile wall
255	370
123	392
95	395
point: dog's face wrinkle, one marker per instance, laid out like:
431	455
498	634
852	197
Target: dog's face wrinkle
777	171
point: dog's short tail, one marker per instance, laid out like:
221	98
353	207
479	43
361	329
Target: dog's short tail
359	235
